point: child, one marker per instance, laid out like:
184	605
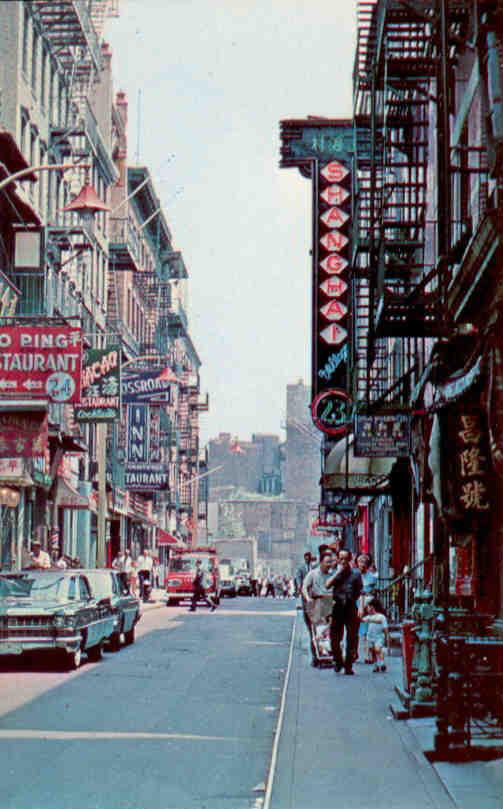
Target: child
377	632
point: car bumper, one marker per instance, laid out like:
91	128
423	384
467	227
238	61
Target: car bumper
17	646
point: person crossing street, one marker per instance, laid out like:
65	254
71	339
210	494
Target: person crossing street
199	588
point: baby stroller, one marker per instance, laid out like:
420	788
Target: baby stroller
319	621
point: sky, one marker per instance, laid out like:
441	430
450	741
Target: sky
208	82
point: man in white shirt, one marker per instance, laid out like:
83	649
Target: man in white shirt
144	564
39	558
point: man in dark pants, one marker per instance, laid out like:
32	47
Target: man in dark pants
199	589
346	586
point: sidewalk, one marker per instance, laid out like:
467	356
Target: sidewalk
340	748
157	599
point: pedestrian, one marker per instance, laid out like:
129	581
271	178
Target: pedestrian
127	563
254	584
61	563
369	579
317	597
199	586
144	565
39	559
346	584
133	578
118	562
155	572
302	571
377	635
269	586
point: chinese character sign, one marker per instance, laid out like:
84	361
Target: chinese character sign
101	386
465	468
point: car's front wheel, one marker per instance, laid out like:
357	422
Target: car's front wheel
73	659
115	640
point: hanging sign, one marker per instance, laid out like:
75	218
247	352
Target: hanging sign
152	386
382	436
9	296
41	362
330	412
334	287
101	389
144	470
23	435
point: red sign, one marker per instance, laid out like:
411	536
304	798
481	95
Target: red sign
334	287
334	172
334	264
333	241
334	195
41	362
334	334
23	435
330	412
335	217
334	310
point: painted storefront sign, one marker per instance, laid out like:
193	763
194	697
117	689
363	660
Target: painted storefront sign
41	362
101	386
23	435
382	436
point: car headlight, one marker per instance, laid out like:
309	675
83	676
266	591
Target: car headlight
63	621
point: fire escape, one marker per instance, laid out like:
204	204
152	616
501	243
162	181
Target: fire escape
399	283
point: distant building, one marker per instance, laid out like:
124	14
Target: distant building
252	466
302	448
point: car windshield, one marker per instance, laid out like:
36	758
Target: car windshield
47	587
184	565
101	584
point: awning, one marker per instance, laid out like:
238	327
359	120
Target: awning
345	472
14	472
11	155
68	497
165	538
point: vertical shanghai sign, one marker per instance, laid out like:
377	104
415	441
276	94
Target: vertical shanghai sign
323	152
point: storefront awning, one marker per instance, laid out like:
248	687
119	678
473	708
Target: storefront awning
68	497
346	472
165	538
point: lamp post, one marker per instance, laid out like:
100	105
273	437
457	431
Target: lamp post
25	174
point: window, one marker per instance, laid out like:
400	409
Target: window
72	588
52	91
85	593
34	61
26	34
42	177
43	78
24	133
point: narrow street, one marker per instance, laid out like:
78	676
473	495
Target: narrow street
184	719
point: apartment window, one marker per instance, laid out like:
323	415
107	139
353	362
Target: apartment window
34	61
128	313
24	133
52	91
26	35
43	78
42	177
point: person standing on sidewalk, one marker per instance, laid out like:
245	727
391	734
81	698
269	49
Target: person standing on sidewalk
346	584
199	586
144	565
317	597
302	571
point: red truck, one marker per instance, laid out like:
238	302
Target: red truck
182	569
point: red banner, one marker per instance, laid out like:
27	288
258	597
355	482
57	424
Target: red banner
41	362
23	435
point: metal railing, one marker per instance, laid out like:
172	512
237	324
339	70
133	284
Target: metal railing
397	594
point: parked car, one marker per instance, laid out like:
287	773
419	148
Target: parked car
125	606
53	610
243	583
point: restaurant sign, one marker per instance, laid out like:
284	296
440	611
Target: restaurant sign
330	412
382	436
101	386
144	470
41	362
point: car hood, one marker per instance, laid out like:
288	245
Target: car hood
17	606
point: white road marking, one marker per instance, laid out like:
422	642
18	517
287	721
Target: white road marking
279	724
68	735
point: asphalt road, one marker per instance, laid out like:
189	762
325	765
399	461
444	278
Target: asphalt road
184	719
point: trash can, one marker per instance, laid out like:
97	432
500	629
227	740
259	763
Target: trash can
408	640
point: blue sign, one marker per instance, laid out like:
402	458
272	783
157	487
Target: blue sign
152	386
138	433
